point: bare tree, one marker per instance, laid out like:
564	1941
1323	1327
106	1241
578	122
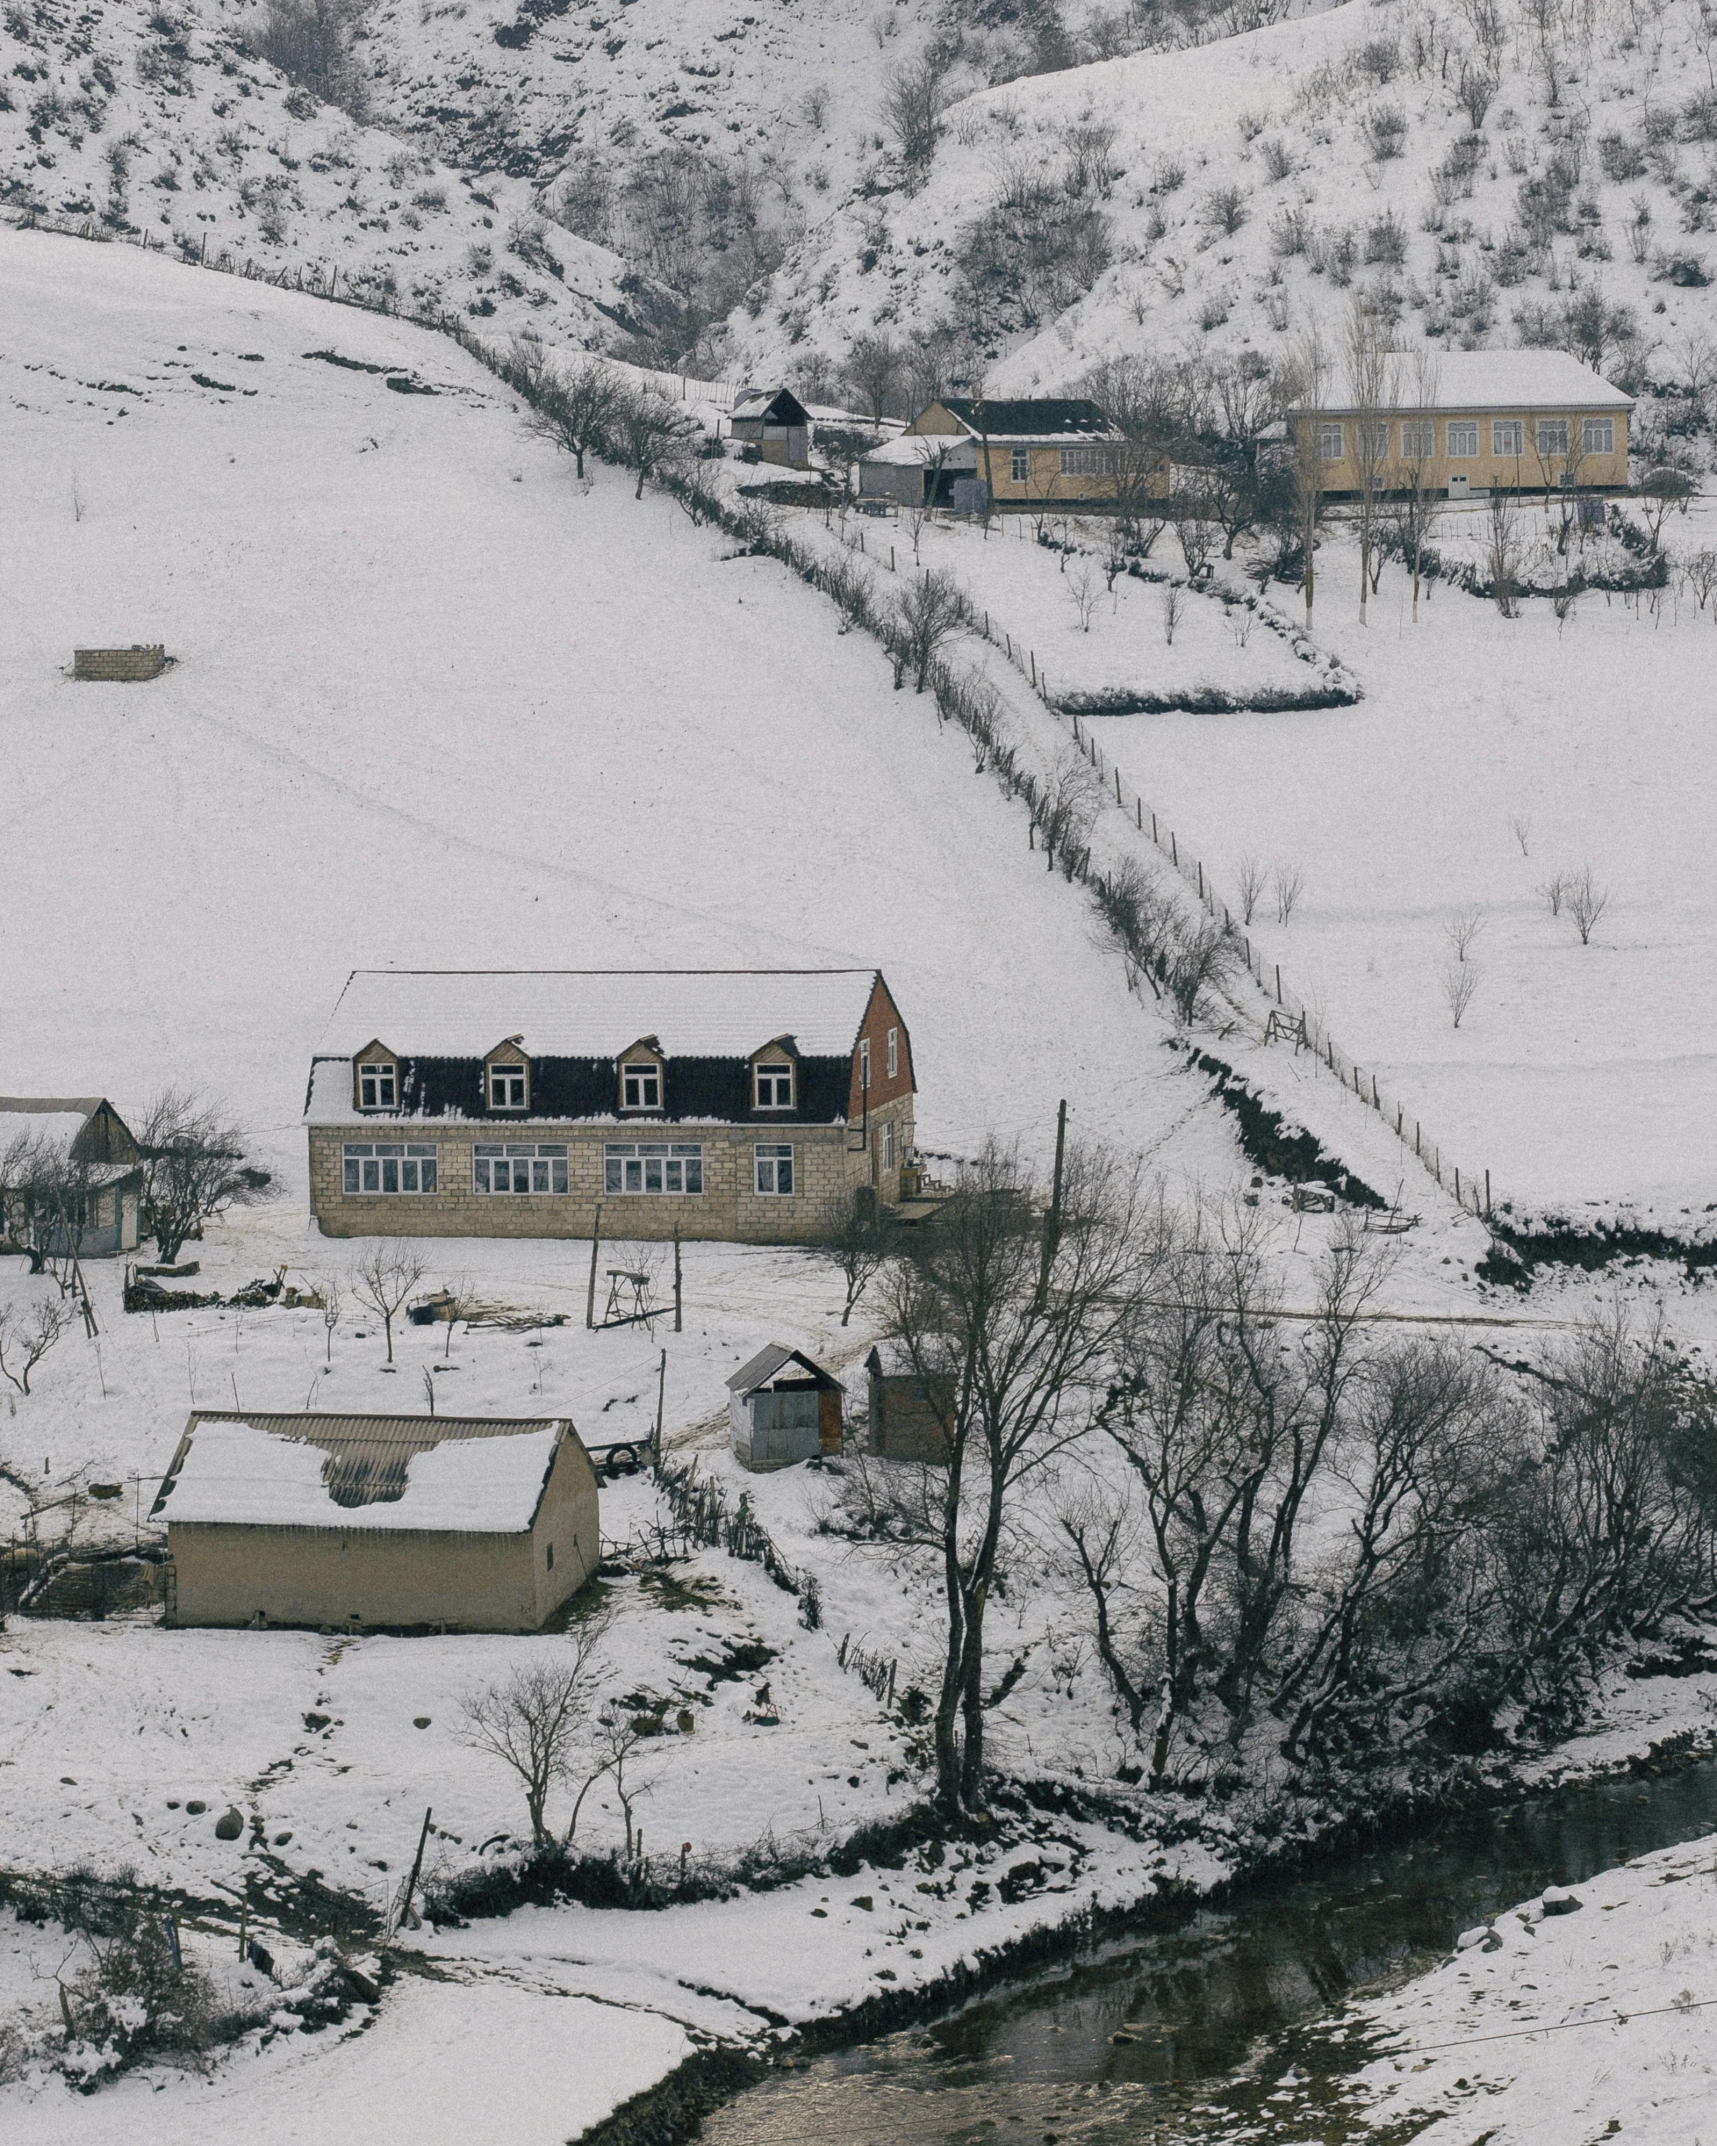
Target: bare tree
575	408
1700	568
1250	882
1174	603
1503	556
194	1168
1521	828
41	1193
1084	587
652	433
1463	929
856	1245
1555	892
926	616
1417	506
1008	1309
1373	394
1307	386
912	106
310	41
1290	884
383	1279
330	1289
873	366
25	1338
1587	902
1460	981
532	1722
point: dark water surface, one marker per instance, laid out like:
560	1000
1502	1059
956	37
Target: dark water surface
1038	2059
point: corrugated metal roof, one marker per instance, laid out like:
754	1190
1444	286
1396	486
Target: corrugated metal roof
458	1474
576	1013
768	1361
1501	380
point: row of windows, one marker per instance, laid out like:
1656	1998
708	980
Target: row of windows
627	1167
1550	438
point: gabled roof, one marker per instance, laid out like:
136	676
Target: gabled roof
85	1127
597	1013
777	405
926	450
769	1362
444	1474
1048	417
1485	380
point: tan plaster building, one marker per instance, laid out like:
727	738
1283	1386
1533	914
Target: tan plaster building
750	1105
478	1525
1047	451
1480	421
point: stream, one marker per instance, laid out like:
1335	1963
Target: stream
1039	2060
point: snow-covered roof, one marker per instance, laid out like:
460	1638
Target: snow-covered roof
61	1124
1504	380
48	1122
1039	417
448	1475
598	1013
769	1361
927	450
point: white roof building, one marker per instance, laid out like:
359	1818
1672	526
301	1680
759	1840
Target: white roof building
1461	381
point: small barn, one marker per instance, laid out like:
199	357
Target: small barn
903	1423
71	1176
776	423
783	1408
468	1524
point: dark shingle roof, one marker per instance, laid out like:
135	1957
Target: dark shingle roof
1049	417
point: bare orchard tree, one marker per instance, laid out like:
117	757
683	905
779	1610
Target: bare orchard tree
1415	508
575	407
1084	587
330	1289
1290	884
195	1168
1503	555
1250	882
383	1279
1372	394
1586	900
27	1336
533	1721
926	616
1460	982
856	1243
1306	388
1008	1309
651	432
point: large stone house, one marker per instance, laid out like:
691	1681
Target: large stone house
1063	453
475	1524
71	1176
1470	422
749	1105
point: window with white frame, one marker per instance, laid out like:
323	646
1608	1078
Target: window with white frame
1088	462
388	1166
888	1143
1507	436
774	1164
775	1086
1550	435
1418	439
652	1166
1372	438
528	1166
378	1085
641	1085
893	1053
1462	437
864	1064
1329	443
1019	465
1598	435
508	1087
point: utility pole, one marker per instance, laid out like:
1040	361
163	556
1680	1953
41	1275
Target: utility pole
661	1396
1052	1221
595	1247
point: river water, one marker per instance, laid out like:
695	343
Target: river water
1126	2042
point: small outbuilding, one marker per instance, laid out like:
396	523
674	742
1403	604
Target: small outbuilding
904	1423
783	1408
776	423
71	1177
452	1523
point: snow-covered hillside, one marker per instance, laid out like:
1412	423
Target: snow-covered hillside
160	122
1484	187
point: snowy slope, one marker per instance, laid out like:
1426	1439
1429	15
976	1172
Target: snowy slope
142	121
1440	226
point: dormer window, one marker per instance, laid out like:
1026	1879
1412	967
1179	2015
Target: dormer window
641	1085
507	1087
775	1085
378	1085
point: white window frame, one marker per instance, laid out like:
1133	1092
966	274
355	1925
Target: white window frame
772	1169
379	1072
1550	436
658	1169
864	1065
1376	431
894	1054
1019	465
1456	436
888	1143
512	1073
1088	462
775	1075
1418	439
367	1166
1508	436
1330	435
1597	435
643	1071
501	1170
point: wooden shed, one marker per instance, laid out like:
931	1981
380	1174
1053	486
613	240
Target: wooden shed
783	1408
776	423
903	1418
71	1176
405	1522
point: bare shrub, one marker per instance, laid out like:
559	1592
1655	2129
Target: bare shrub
926	616
1084	588
912	106
1555	892
1278	159
1463	929
310	41
1174	603
1384	130
1290	884
1251	881
1224	209
1587	901
1521	829
1460	981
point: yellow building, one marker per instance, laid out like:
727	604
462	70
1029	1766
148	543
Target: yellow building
1474	422
1043	452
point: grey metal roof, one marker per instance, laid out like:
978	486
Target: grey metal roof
1036	418
768	1362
